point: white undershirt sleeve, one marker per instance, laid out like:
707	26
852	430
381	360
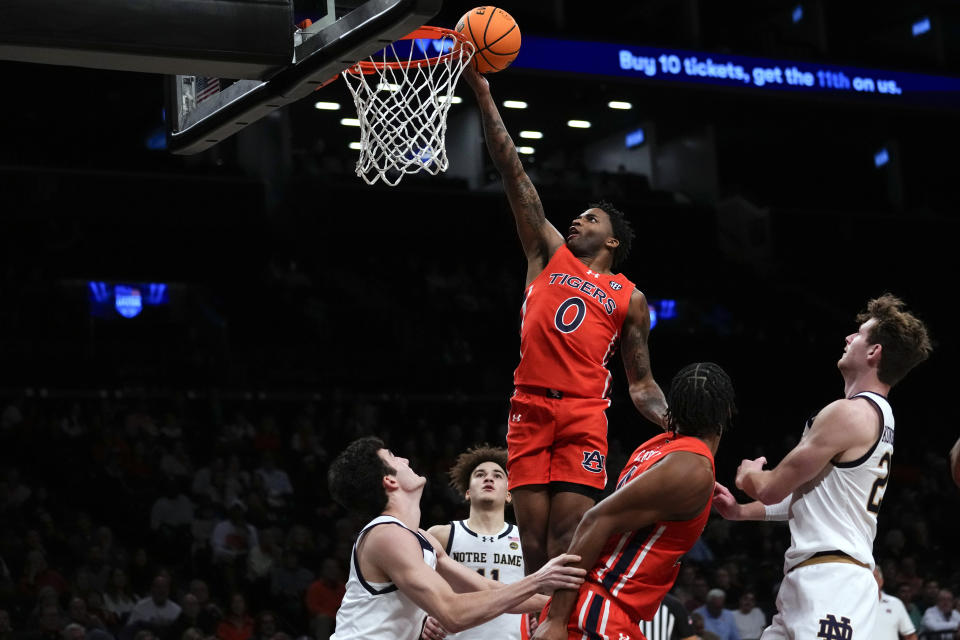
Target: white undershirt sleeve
779	511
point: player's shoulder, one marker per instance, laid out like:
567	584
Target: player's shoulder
441	532
855	412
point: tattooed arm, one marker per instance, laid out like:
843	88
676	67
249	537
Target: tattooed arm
539	238
644	390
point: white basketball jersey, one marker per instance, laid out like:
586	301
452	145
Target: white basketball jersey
837	511
378	610
498	557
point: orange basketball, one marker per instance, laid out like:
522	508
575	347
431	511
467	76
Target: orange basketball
495	34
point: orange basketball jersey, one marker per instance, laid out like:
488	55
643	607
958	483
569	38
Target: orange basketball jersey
570	326
638	567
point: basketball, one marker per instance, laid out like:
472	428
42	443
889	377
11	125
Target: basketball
496	36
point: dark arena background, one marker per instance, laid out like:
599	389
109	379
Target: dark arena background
175	328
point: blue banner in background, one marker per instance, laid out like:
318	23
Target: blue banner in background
654	64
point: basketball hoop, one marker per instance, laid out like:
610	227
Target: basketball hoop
402	95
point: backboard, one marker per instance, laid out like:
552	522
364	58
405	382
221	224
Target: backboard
203	110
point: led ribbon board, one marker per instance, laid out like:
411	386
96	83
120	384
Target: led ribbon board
717	70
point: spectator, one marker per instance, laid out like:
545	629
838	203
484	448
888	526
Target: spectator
698	625
50	622
200	589
928	597
698	593
203	478
36	575
73	631
118	599
893	623
266	626
78	614
17	493
237	480
171	515
724	581
289	580
942	616
93	573
288	585
261	561
142	572
276	481
156	611
96	608
237	623
231	542
905	595
750	620
192	616
233	537
716	618
323	598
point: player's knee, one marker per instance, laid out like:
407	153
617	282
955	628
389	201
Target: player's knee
559	540
534	551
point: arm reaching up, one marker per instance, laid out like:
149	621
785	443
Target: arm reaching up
539	238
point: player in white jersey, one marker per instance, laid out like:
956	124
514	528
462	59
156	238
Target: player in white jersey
399	573
830	486
485	541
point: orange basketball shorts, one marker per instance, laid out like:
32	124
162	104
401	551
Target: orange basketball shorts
597	615
556	439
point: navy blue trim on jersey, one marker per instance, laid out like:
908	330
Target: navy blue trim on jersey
593	618
859	461
424	546
629	554
467	529
453	529
507	532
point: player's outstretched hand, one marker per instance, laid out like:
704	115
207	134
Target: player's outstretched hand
726	505
476	81
550	629
557	575
432	630
749	466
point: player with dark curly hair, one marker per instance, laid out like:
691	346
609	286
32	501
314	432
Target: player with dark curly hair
485	542
632	541
575	313
831	485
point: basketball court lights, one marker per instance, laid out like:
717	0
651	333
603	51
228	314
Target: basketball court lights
453	100
532	135
350	122
356	146
578	124
525	150
514	104
619	104
327	106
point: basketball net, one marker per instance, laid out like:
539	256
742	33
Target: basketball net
402	100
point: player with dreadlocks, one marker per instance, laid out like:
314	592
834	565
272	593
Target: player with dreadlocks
631	542
576	311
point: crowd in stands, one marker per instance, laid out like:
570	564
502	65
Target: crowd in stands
170	518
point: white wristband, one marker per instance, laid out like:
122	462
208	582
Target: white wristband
779	511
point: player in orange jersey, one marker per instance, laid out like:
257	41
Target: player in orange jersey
575	313
631	542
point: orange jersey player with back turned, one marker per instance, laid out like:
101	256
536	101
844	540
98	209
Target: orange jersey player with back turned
632	541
